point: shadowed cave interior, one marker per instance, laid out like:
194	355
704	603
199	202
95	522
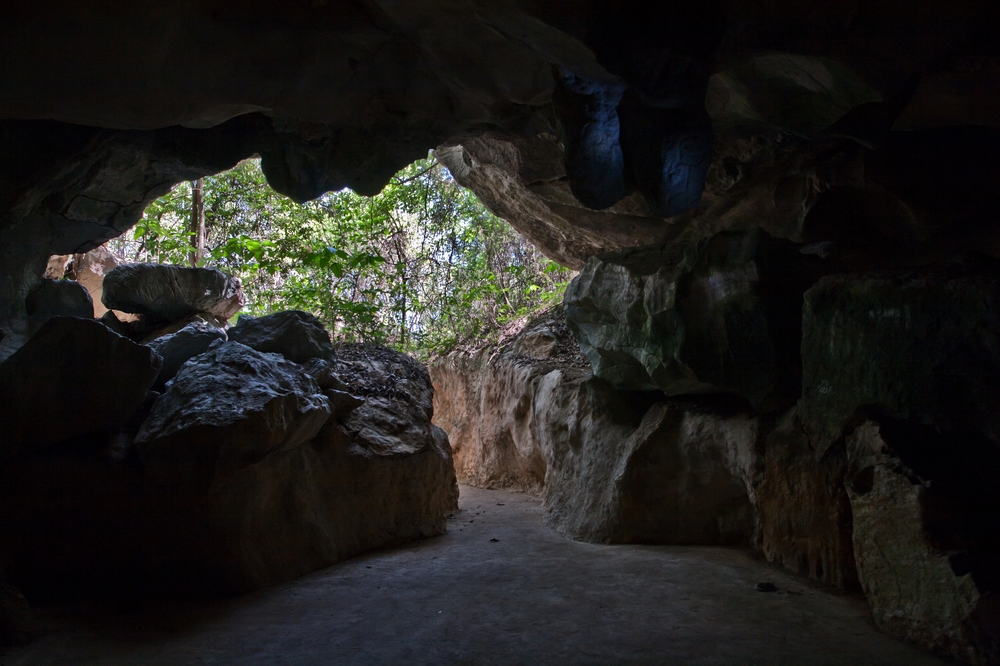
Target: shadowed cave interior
780	358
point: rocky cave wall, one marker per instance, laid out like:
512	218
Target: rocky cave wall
784	215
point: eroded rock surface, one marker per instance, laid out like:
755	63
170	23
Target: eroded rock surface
296	335
177	348
486	397
805	513
925	510
241	474
169	293
612	466
684	474
227	409
863	138
722	315
924	346
47	386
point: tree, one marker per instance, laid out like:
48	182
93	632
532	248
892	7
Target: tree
197	221
421	266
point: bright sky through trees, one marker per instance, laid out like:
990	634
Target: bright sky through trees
420	267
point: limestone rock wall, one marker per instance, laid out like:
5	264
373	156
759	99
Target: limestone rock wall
925	537
612	466
882	478
489	401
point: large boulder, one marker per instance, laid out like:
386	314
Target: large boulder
296	335
684	474
379	475
926	512
226	409
725	315
229	487
168	293
48	388
923	346
177	348
57	298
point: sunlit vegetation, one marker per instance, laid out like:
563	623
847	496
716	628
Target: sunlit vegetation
420	267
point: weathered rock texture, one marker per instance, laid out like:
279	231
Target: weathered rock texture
903	511
168	293
741	122
612	466
723	315
805	514
685	473
47	388
176	349
924	346
239	477
57	298
926	528
296	335
227	409
486	398
860	137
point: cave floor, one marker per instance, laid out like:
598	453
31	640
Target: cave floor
530	597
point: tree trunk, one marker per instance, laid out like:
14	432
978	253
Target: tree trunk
197	221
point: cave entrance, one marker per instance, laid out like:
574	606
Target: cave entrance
420	267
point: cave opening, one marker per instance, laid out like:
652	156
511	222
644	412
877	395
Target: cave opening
725	390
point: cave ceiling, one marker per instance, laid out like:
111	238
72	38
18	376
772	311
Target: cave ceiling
590	125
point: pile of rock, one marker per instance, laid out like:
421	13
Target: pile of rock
202	459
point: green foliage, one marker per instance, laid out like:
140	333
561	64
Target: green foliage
420	267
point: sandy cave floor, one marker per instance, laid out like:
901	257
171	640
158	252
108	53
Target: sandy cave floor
530	597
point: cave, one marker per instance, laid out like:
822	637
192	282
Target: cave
780	356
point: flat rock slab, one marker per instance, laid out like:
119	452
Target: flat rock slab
170	293
530	597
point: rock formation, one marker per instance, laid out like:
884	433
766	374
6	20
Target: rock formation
711	168
243	473
47	390
167	293
485	398
725	314
296	335
227	409
903	511
57	298
176	349
925	535
612	466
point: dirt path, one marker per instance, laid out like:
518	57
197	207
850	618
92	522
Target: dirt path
529	597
